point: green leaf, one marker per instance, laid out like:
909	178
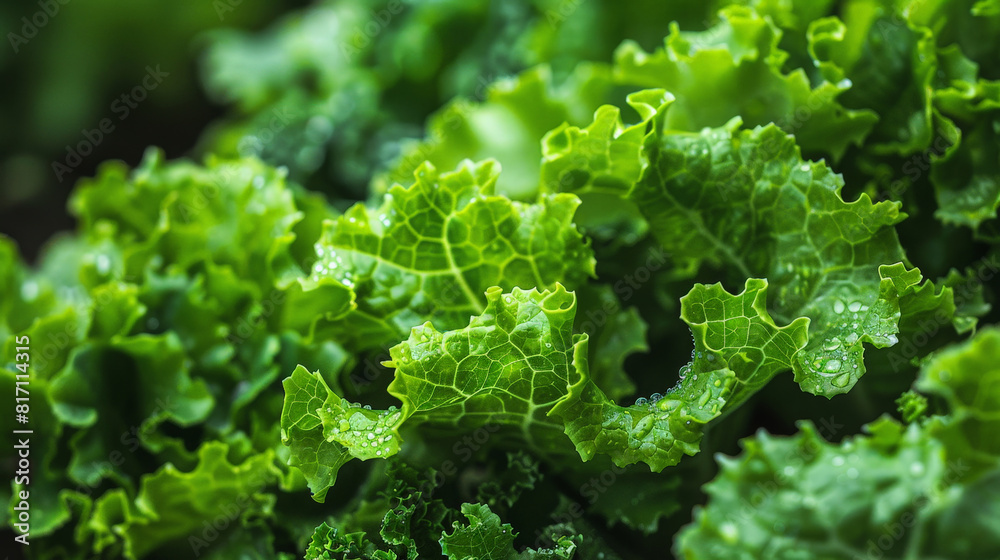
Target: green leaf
506	126
813	499
738	348
634	497
174	508
415	518
508	367
967	379
746	202
302	431
927	490
966	170
735	69
506	487
180	213
891	64
328	543
486	538
972	25
149	372
912	406
519	365
431	249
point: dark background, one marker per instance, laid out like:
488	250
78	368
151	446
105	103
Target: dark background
64	79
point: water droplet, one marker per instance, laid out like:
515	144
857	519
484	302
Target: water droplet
103	264
718	383
703	400
852	473
641	401
344	425
892	339
371	435
642	429
917	469
838	306
668	404
729	532
29	290
854	307
838	461
832	344
841	380
832	366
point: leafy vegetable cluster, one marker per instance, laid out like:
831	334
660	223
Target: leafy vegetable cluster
482	358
